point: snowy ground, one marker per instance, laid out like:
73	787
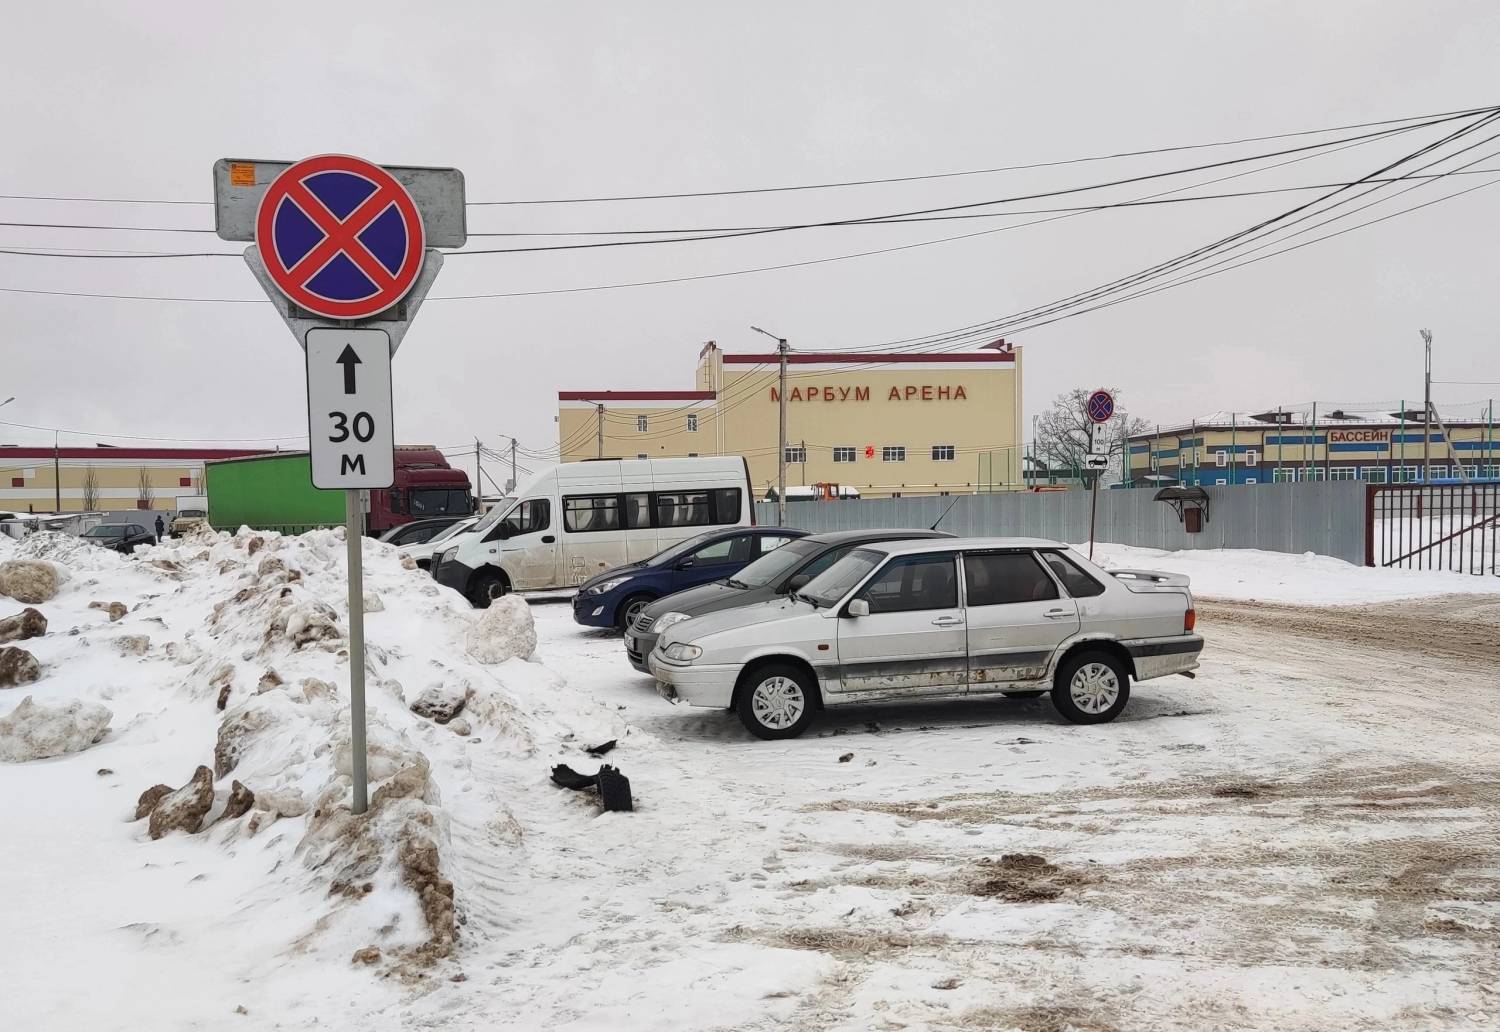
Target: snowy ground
1304	837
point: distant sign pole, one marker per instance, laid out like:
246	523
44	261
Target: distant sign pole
1100	408
341	249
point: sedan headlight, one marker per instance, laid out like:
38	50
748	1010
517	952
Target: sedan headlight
605	587
667	620
682	653
450	555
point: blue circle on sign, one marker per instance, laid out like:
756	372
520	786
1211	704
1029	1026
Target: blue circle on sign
1101	406
340	236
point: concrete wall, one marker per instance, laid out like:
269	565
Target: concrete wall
1327	518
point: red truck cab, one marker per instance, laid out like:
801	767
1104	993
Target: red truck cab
425	486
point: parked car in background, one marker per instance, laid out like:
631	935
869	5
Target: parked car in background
418	531
423	551
121	537
787	569
616	597
926	620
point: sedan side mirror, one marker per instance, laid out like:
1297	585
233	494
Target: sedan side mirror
859	607
798	582
685	564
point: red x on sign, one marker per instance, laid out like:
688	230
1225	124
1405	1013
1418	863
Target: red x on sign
340	237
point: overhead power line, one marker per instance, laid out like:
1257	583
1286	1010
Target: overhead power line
910	215
1117	155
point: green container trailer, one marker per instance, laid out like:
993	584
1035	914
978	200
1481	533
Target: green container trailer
269	492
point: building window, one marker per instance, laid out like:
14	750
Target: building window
1374	474
893	453
640	455
17	481
640	425
796	453
1221	481
1472	472
1343	473
1251	480
184	481
843	455
692	423
1405	474
1221	458
692	455
942	453
1314	473
1283	475
1492	472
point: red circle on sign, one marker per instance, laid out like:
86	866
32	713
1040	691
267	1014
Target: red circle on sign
1101	406
290	200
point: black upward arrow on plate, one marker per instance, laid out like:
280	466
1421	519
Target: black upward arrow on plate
348	359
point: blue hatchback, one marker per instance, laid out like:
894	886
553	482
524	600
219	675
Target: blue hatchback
613	598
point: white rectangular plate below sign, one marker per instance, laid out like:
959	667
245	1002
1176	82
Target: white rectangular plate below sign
349	409
1096	460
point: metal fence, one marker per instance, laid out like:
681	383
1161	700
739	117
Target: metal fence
1453	527
1324	517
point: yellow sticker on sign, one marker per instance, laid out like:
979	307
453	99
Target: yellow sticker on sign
241	173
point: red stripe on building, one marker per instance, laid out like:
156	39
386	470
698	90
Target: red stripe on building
635	395
844	357
108	454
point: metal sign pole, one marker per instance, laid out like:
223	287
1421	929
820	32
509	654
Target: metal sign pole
354	535
1093	499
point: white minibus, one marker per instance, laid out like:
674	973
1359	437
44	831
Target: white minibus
584	517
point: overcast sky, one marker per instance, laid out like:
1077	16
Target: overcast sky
563	100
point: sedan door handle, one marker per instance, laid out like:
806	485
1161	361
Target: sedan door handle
548	539
948	621
1056	614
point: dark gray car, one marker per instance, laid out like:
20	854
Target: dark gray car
788	568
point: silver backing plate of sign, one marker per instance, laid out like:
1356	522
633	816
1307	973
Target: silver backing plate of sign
239	184
395	320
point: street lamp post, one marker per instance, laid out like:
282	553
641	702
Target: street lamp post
781	350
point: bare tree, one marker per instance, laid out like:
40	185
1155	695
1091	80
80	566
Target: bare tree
90	490
144	494
1062	437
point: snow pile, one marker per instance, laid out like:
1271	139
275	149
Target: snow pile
29	580
1306	579
35	731
228	673
504	631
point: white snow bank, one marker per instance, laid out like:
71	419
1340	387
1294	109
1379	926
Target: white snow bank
248	672
1307	579
35	731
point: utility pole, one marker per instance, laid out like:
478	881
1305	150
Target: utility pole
599	431
804	462
1427	409
56	476
781	352
513	480
478	470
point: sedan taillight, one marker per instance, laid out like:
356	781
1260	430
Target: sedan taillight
1189	621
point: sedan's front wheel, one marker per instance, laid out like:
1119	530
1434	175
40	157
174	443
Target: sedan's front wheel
1091	688
777	701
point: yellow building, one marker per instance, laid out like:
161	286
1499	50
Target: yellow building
886	425
102	479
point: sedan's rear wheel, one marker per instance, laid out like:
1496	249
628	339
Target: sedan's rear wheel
777	701
1091	688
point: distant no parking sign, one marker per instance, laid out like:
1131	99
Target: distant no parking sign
1100	406
340	236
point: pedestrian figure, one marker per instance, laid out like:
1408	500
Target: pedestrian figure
160	528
